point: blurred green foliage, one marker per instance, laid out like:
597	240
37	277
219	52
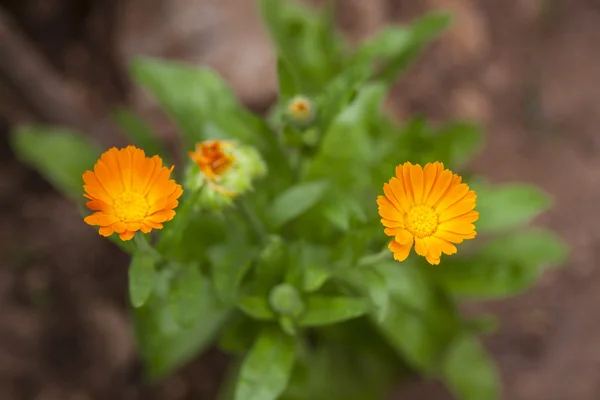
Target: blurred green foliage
292	280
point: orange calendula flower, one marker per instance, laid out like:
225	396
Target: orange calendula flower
214	158
130	192
428	206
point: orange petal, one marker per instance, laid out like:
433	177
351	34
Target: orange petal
408	187
404	237
120	227
452	196
450	236
161	216
388	223
400	251
417	180
387	190
387	209
457	226
106	230
100	219
400	194
127	235
460	209
98	205
420	247
439	187
430	173
94	188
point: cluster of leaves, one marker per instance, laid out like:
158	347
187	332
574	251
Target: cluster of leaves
295	279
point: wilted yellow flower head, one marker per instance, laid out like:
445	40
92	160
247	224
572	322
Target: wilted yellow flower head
213	157
130	192
427	206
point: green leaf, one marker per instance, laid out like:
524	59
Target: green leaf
295	201
398	47
266	370
229	265
469	372
59	155
504	207
141	278
164	344
188	94
256	307
505	265
288	86
185	294
313	262
338	94
458	142
306	41
238	335
321	310
345	150
139	132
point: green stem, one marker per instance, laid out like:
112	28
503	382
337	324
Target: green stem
250	216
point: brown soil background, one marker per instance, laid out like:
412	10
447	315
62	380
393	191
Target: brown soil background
528	70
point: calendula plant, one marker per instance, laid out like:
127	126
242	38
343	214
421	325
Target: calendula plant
286	241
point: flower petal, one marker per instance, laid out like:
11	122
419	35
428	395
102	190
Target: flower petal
417	181
387	210
127	235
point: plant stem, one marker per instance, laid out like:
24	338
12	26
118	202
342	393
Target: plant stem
250	216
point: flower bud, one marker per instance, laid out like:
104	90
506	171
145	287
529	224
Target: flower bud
300	111
222	170
286	301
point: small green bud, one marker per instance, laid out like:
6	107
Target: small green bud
286	301
300	111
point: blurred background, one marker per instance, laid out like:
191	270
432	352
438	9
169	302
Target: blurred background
528	70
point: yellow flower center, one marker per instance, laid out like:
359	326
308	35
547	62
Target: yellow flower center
421	221
130	206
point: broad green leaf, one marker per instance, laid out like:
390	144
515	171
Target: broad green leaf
163	344
288	86
266	370
59	155
345	150
407	282
139	133
256	307
468	370
295	201
229	265
185	294
141	278
504	207
372	284
506	265
322	310
189	95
